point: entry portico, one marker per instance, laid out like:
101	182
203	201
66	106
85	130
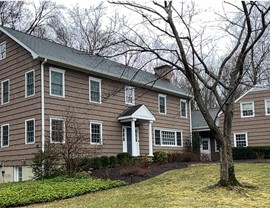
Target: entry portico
130	141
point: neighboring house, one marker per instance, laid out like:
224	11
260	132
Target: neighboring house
122	109
249	126
208	148
251	118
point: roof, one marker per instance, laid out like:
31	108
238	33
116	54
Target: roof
69	57
256	88
198	121
136	112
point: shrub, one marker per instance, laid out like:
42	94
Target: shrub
187	157
95	163
105	162
162	157
244	153
125	158
85	164
176	157
113	161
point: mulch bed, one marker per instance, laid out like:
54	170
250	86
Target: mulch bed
135	174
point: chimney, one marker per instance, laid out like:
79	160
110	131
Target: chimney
164	71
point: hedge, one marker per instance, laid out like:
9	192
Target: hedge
245	153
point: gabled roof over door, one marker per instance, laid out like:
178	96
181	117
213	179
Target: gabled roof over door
136	112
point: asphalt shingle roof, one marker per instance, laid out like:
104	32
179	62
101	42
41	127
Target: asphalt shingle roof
198	121
58	53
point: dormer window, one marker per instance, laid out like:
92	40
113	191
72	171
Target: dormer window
3	50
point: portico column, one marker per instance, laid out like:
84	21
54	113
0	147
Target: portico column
133	139
150	141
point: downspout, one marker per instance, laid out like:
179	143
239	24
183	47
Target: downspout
190	121
42	107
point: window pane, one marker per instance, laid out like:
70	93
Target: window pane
268	107
240	140
157	137
162	104
30	131
95	91
179	140
183	109
5	139
2	50
96	133
5	92
168	138
247	109
129	95
56	83
57	131
30	83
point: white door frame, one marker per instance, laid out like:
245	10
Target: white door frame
137	139
205	153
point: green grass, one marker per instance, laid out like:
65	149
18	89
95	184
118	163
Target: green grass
182	188
14	194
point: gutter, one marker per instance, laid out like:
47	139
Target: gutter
42	106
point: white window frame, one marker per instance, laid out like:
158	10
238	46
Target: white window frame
183	101
2	92
52	69
64	129
95	80
26	90
216	146
133	95
2	135
169	130
26	142
265	103
1	48
165	102
237	133
101	132
253	109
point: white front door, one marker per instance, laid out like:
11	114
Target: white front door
205	150
127	144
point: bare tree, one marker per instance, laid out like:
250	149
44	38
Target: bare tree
192	49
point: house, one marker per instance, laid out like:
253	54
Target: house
122	109
208	148
249	125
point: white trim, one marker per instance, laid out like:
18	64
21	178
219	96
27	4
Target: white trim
2	92
165	102
5	44
237	133
265	106
7	124
42	105
99	81
16	173
32	119
253	109
169	130
64	129
101	132
133	95
34	80
63	81
183	101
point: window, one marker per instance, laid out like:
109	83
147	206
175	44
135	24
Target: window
216	146
5	92
247	109
3	50
162	104
29	83
240	140
57	130
30	131
5	135
168	137
183	108
17	174
129	95
267	107
57	82
95	90
95	133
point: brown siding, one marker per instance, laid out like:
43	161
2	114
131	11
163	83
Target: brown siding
113	104
257	127
13	67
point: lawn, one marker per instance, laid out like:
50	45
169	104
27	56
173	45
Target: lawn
182	188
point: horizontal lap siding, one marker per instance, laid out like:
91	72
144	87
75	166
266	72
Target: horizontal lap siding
257	127
113	104
13	67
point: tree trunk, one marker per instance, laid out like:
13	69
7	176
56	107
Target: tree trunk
227	173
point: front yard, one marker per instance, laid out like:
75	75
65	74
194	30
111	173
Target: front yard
182	188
